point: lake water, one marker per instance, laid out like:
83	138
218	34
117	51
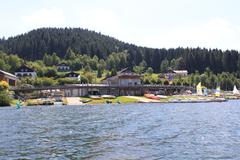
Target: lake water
134	131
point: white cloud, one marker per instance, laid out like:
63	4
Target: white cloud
100	20
216	33
45	17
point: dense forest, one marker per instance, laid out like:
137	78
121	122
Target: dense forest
37	44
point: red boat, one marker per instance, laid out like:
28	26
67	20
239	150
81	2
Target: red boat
151	96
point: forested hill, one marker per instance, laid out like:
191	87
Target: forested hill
34	44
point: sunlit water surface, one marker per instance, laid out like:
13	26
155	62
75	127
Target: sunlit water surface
134	131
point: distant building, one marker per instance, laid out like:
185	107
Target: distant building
25	71
182	73
8	77
73	75
63	67
124	78
175	73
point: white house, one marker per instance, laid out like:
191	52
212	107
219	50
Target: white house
182	73
175	73
73	75
25	71
62	67
124	78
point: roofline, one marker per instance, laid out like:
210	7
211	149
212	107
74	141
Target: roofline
9	74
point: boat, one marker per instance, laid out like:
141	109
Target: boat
235	90
162	96
199	89
218	92
95	97
108	96
86	100
152	96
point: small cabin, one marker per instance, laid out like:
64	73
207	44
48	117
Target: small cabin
124	78
8	77
182	73
175	73
63	67
73	75
25	71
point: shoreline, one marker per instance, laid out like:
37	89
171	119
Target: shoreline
83	101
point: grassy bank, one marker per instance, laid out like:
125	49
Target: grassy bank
120	99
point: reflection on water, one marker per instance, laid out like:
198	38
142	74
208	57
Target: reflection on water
136	131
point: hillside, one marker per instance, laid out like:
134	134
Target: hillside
34	44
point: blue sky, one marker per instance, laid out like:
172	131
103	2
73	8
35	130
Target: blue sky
151	23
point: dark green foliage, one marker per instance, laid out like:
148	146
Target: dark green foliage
84	79
68	43
99	73
113	72
4	98
149	70
50	72
44	82
63	81
50	60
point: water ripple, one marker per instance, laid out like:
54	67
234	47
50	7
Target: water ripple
137	131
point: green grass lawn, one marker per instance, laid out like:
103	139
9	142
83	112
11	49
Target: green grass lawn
121	99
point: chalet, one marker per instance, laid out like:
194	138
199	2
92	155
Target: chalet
25	71
124	78
8	77
63	67
175	73
73	75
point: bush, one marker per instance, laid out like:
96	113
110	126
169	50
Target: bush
50	72
84	79
166	82
3	85
4	98
89	76
44	82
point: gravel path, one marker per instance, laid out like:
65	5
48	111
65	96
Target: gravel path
74	101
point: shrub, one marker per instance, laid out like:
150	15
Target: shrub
4	98
44	82
3	85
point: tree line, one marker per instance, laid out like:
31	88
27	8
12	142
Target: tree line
83	43
94	69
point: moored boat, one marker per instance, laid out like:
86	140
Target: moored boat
95	97
152	96
108	96
162	96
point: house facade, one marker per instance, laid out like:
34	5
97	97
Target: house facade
124	78
175	73
8	77
73	75
63	67
25	71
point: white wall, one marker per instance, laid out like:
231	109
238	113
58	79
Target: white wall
127	82
32	74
